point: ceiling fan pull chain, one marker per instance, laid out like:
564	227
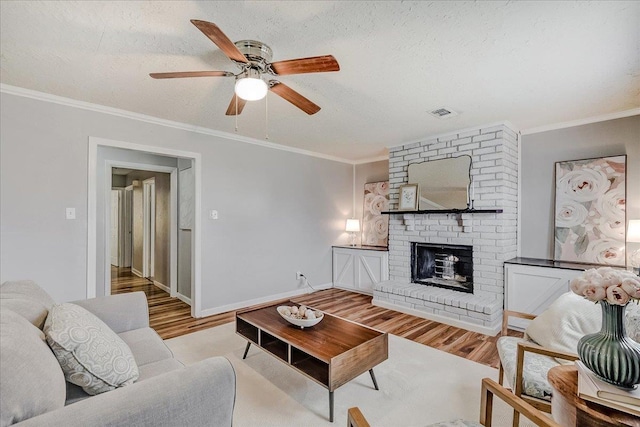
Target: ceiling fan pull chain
266	116
236	98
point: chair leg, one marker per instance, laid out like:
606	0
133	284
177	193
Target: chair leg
516	418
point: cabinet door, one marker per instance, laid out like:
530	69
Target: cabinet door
531	289
371	269
344	269
359	270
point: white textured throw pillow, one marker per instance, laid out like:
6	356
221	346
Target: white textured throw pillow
91	355
568	319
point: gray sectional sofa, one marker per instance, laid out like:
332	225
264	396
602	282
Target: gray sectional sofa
33	390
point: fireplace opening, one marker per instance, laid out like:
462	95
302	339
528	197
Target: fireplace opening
444	266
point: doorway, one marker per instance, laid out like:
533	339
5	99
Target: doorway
105	154
141	228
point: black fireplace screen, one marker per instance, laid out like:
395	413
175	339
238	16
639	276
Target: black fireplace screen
444	266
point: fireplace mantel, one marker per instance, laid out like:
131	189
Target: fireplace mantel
444	211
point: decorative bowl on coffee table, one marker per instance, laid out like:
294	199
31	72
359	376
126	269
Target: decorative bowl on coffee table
285	312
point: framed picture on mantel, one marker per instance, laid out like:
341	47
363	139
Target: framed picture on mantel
590	215
408	198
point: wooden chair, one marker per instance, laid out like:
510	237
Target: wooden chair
536	396
490	388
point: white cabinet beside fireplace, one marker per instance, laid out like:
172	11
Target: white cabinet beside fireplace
358	269
531	289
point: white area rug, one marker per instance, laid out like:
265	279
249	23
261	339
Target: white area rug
419	385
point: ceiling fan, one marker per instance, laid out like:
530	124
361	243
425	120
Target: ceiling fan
254	60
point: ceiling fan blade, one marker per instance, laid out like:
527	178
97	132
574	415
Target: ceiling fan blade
191	74
231	110
216	35
316	64
293	97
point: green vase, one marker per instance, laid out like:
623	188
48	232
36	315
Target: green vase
610	353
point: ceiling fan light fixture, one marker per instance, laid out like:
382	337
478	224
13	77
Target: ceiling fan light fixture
251	87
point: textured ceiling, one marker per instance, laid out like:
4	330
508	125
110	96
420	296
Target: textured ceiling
531	63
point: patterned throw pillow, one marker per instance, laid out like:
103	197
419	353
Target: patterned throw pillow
91	355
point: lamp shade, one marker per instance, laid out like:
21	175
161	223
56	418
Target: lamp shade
353	225
251	89
633	233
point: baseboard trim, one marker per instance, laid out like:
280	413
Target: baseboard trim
262	300
183	298
136	272
440	319
163	287
358	291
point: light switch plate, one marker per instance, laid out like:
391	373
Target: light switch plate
71	213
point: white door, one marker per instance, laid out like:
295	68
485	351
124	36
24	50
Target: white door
127	225
149	227
114	235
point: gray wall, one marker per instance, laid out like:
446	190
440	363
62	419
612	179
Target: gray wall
280	212
540	151
118	181
368	172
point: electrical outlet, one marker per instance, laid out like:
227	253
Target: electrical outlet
298	275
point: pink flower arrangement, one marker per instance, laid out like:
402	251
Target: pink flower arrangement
607	284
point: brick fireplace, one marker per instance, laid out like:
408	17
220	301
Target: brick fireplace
490	236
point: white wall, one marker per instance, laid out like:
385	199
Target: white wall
540	151
280	212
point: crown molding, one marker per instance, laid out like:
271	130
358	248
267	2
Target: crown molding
580	122
47	97
505	123
371	160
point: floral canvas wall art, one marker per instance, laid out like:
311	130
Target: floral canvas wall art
375	225
590	216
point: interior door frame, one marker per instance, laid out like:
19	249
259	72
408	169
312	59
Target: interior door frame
149	228
92	225
127	227
118	201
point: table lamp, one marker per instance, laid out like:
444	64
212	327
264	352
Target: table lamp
353	227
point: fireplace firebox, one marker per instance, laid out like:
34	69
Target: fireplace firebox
444	266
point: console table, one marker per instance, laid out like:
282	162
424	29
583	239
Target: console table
569	410
532	284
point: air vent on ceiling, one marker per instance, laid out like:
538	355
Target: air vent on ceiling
443	113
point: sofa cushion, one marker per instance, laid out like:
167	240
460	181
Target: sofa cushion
158	368
91	355
561	326
146	345
32	381
27	299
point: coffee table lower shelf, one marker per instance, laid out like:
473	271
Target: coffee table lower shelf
330	371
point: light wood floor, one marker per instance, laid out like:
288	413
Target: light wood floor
171	317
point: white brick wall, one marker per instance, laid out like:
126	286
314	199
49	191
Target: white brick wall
494	171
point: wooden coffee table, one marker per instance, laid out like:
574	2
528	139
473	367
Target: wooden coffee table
331	353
